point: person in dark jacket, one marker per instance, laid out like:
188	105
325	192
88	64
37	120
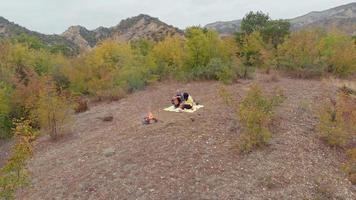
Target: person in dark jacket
183	101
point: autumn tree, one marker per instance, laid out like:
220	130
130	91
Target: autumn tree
53	112
254	21
5	121
299	54
206	53
170	55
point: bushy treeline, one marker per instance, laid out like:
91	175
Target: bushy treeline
115	68
309	53
26	74
266	44
39	84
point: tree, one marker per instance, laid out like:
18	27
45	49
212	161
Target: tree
251	53
275	31
300	55
14	173
254	21
53	112
340	53
142	46
170	55
96	73
204	49
5	121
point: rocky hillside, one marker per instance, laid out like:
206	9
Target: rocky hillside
79	38
225	28
141	26
10	30
342	18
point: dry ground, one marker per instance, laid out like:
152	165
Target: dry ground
189	156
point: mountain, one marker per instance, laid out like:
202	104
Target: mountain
79	38
225	28
341	17
11	30
141	26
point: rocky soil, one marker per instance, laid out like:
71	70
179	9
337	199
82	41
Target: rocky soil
189	156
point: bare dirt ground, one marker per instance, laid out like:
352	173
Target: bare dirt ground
189	156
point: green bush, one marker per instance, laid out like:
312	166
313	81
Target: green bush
337	120
255	114
299	54
350	166
340	54
14	174
310	53
5	121
207	55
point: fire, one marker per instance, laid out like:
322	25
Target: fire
150	116
149	119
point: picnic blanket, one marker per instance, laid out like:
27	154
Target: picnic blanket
173	109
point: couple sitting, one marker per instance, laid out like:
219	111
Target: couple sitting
182	101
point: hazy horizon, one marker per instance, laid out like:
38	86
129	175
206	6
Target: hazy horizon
56	16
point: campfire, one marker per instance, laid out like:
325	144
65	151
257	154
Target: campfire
149	119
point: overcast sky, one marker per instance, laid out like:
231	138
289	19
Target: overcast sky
55	16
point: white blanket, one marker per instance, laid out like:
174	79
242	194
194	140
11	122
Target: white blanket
173	109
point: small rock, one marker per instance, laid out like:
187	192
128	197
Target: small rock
109	152
108	118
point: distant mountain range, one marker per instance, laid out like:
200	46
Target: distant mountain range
9	30
141	26
144	26
341	17
79	38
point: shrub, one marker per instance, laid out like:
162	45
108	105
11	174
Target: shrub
207	54
337	120
350	165
81	105
5	122
299	54
14	174
170	56
255	115
53	112
340	54
309	53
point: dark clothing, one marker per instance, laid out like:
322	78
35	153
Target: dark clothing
184	101
187	106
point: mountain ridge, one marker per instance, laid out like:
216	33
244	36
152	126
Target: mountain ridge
140	26
342	17
144	26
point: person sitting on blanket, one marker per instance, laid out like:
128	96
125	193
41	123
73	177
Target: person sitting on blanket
183	101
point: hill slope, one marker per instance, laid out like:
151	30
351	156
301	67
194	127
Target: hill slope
10	30
78	37
225	28
341	17
189	156
141	26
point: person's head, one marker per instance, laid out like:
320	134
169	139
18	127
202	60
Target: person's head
176	101
185	96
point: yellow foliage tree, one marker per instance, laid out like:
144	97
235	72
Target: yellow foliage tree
53	112
170	55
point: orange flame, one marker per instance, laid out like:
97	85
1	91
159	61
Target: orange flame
150	116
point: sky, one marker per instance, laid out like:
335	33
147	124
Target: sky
55	16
